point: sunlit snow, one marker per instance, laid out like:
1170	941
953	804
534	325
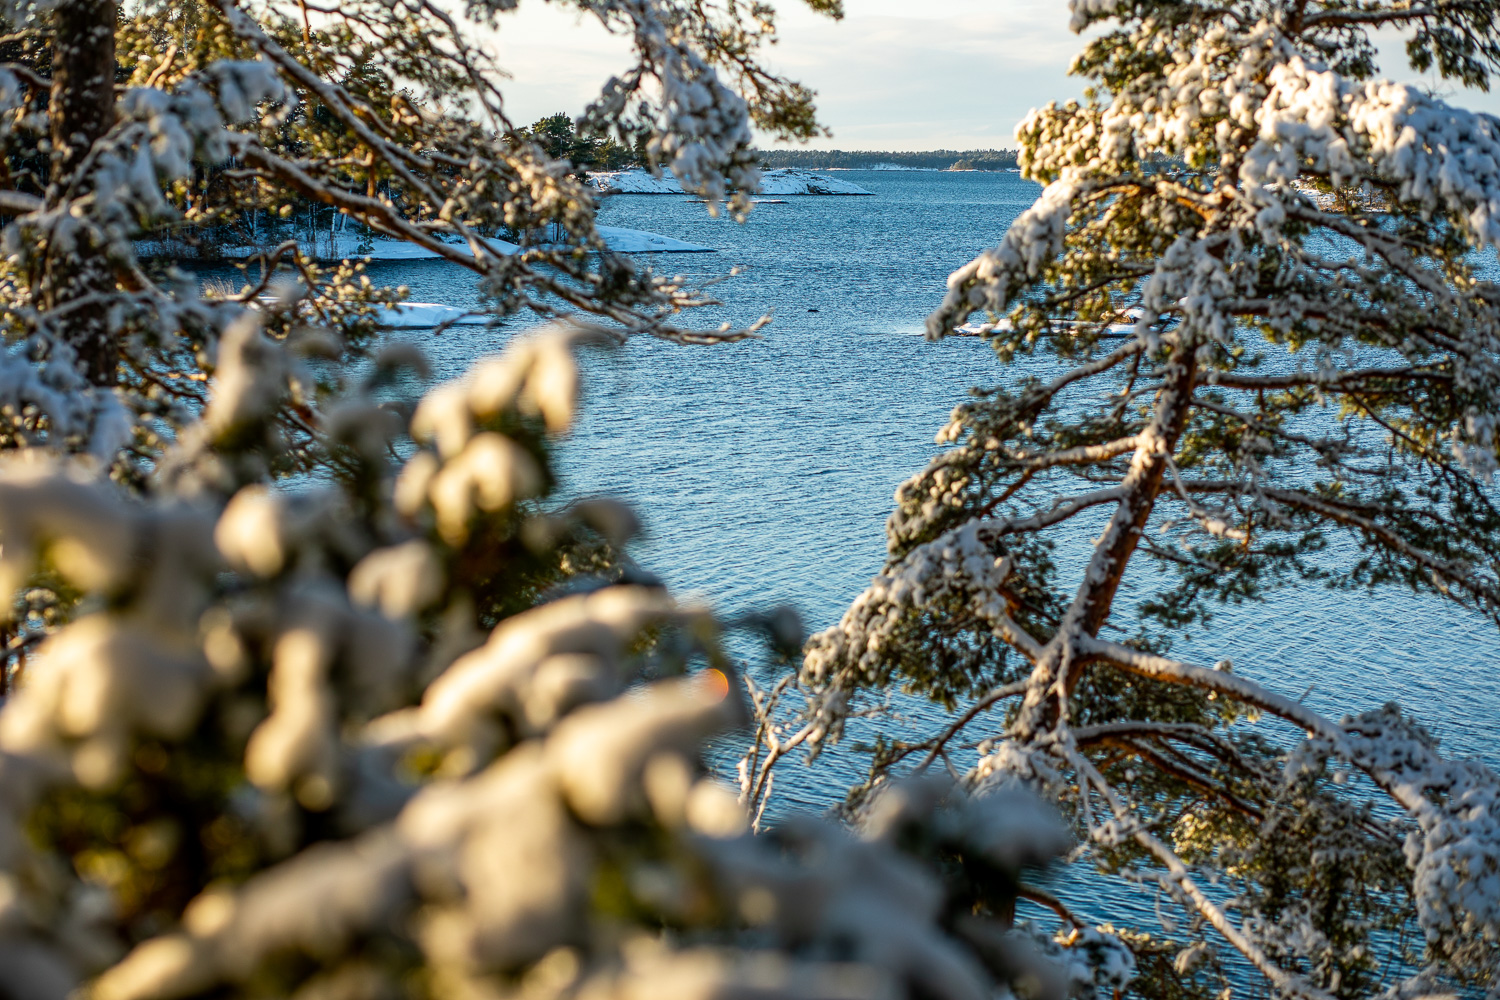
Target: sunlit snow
785	181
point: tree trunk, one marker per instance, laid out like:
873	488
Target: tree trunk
82	110
1112	551
1096	595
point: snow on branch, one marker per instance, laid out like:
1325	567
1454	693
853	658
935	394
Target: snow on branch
988	282
1440	158
419	796
1454	853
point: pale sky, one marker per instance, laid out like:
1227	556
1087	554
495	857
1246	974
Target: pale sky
894	74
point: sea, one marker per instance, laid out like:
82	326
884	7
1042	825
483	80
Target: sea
763	471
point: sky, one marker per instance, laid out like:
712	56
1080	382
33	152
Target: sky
893	75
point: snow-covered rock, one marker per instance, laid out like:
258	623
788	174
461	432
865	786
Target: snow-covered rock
791	180
639	241
785	181
349	246
982	329
421	315
416	315
633	182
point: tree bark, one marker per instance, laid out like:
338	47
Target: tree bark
1112	552
82	111
1096	595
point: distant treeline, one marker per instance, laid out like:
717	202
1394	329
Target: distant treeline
936	159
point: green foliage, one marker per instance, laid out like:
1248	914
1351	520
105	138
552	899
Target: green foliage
557	135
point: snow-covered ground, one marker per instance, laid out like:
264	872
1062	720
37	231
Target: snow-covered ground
349	246
785	181
326	246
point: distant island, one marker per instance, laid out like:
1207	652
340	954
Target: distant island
936	159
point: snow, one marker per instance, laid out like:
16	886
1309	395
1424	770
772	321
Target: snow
785	181
633	182
421	315
417	315
351	246
972	329
982	329
638	241
791	180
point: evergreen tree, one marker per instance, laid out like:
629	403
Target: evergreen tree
1257	312
560	138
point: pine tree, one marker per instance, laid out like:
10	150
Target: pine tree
1257	327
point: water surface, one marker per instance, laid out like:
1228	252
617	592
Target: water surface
764	470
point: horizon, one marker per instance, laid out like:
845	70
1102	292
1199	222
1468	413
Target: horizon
948	74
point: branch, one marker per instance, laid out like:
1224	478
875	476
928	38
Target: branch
31	76
1178	876
1455	573
1081	455
381	215
1061	510
332	96
19	203
998	694
1321	380
1055	673
1390	15
1273	430
1051	902
1036	397
1171	671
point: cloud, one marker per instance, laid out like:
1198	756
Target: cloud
557	58
939	74
954	73
942	74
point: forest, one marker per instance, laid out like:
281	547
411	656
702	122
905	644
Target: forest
936	159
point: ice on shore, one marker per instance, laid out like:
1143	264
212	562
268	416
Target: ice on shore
784	181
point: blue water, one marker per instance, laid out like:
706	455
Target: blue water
764	470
